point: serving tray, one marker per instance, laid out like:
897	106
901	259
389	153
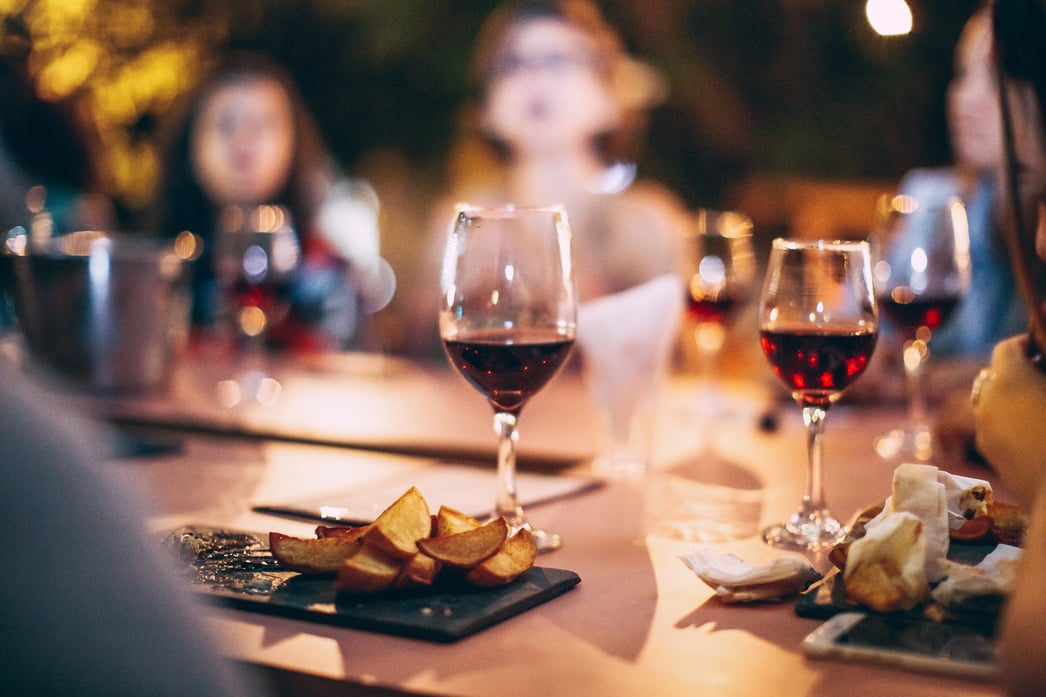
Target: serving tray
236	569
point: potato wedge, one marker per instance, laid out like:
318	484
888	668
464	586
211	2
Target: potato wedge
399	527
515	556
368	571
450	521
312	555
350	531
419	570
468	548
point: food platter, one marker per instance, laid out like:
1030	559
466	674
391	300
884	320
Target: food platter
235	568
827	597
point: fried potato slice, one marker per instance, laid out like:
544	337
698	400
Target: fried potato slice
516	555
312	555
351	532
450	521
419	570
468	548
399	527
368	571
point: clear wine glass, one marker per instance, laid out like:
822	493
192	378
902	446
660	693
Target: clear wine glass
508	320
818	323
257	252
921	272
720	275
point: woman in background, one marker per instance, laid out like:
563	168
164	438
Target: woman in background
248	140
558	112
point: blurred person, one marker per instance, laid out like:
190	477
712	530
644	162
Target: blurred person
1010	395
91	603
993	308
558	113
247	139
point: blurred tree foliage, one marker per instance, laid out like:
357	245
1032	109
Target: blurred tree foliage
769	86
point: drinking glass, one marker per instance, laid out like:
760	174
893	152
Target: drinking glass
257	252
921	272
508	320
720	275
818	323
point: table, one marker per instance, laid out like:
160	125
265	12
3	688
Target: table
639	623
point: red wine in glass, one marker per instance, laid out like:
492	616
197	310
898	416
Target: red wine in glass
715	308
817	364
506	366
910	312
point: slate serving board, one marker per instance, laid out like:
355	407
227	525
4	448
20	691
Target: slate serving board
236	569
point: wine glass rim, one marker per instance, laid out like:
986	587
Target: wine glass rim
504	210
834	245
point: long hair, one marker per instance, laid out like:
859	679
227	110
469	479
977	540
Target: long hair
183	205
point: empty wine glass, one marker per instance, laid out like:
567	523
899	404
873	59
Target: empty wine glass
720	275
257	251
818	324
921	272
508	320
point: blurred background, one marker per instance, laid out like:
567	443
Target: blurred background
796	111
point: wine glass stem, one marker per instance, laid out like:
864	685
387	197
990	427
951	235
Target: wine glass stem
507	504
915	354
813	496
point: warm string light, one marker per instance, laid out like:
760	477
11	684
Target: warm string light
889	17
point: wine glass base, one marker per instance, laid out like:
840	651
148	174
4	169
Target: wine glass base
806	533
911	443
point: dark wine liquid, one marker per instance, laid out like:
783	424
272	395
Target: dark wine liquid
716	309
508	367
817	365
918	312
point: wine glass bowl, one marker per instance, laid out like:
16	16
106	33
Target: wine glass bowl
508	320
257	253
818	325
721	270
921	272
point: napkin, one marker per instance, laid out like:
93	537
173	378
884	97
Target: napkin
736	581
985	585
625	341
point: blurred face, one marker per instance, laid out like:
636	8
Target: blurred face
547	94
974	118
243	142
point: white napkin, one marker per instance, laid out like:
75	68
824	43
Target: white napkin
736	581
625	339
993	577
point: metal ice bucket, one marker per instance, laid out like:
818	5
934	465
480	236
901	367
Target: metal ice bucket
105	311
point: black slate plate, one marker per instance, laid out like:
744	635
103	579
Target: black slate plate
236	569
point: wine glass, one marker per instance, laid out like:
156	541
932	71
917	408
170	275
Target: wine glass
818	324
720	275
257	252
921	272
508	320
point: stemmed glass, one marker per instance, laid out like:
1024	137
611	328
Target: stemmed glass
818	324
508	320
720	275
922	270
257	251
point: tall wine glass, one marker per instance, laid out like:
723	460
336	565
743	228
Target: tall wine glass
508	320
257	251
720	274
818	324
922	271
